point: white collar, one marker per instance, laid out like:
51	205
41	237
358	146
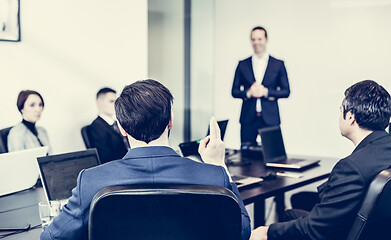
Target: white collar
108	119
265	57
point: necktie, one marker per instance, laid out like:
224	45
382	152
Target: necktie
115	127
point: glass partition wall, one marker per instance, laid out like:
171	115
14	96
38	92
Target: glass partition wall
180	55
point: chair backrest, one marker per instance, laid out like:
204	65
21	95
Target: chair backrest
86	136
373	220
3	139
164	212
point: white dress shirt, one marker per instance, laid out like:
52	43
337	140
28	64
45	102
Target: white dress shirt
259	69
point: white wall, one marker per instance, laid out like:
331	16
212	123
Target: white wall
69	50
326	45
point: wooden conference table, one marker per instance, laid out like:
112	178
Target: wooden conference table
21	208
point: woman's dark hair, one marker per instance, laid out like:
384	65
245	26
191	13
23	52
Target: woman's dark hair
370	103
22	97
144	109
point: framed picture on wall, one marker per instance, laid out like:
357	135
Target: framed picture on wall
9	20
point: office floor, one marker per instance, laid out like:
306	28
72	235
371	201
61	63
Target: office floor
270	205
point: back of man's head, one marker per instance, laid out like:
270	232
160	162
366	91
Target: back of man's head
144	109
370	103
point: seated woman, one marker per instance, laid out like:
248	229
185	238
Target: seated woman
25	134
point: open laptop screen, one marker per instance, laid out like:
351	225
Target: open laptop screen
18	170
59	172
272	144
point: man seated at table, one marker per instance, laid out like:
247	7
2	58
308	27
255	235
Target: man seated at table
365	114
144	114
103	131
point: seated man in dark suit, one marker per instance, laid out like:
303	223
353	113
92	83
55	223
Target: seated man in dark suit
144	113
365	114
103	132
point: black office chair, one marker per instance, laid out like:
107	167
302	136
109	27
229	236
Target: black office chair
164	212
85	134
3	139
373	220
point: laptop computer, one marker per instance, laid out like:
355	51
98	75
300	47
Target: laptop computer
274	154
18	170
59	172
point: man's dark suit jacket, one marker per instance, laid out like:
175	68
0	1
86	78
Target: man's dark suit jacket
341	196
106	140
275	80
141	165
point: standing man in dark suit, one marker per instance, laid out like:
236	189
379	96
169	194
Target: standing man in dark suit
144	112
365	114
260	81
103	132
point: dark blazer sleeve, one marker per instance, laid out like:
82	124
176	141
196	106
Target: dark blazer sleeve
246	228
282	90
341	197
72	221
239	80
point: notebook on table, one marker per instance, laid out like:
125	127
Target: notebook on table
243	181
59	172
274	154
18	170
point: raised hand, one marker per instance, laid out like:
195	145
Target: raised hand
212	148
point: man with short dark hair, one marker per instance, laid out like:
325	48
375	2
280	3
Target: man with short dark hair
365	113
103	131
144	114
260	81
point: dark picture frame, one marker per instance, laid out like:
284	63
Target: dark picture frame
10	20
